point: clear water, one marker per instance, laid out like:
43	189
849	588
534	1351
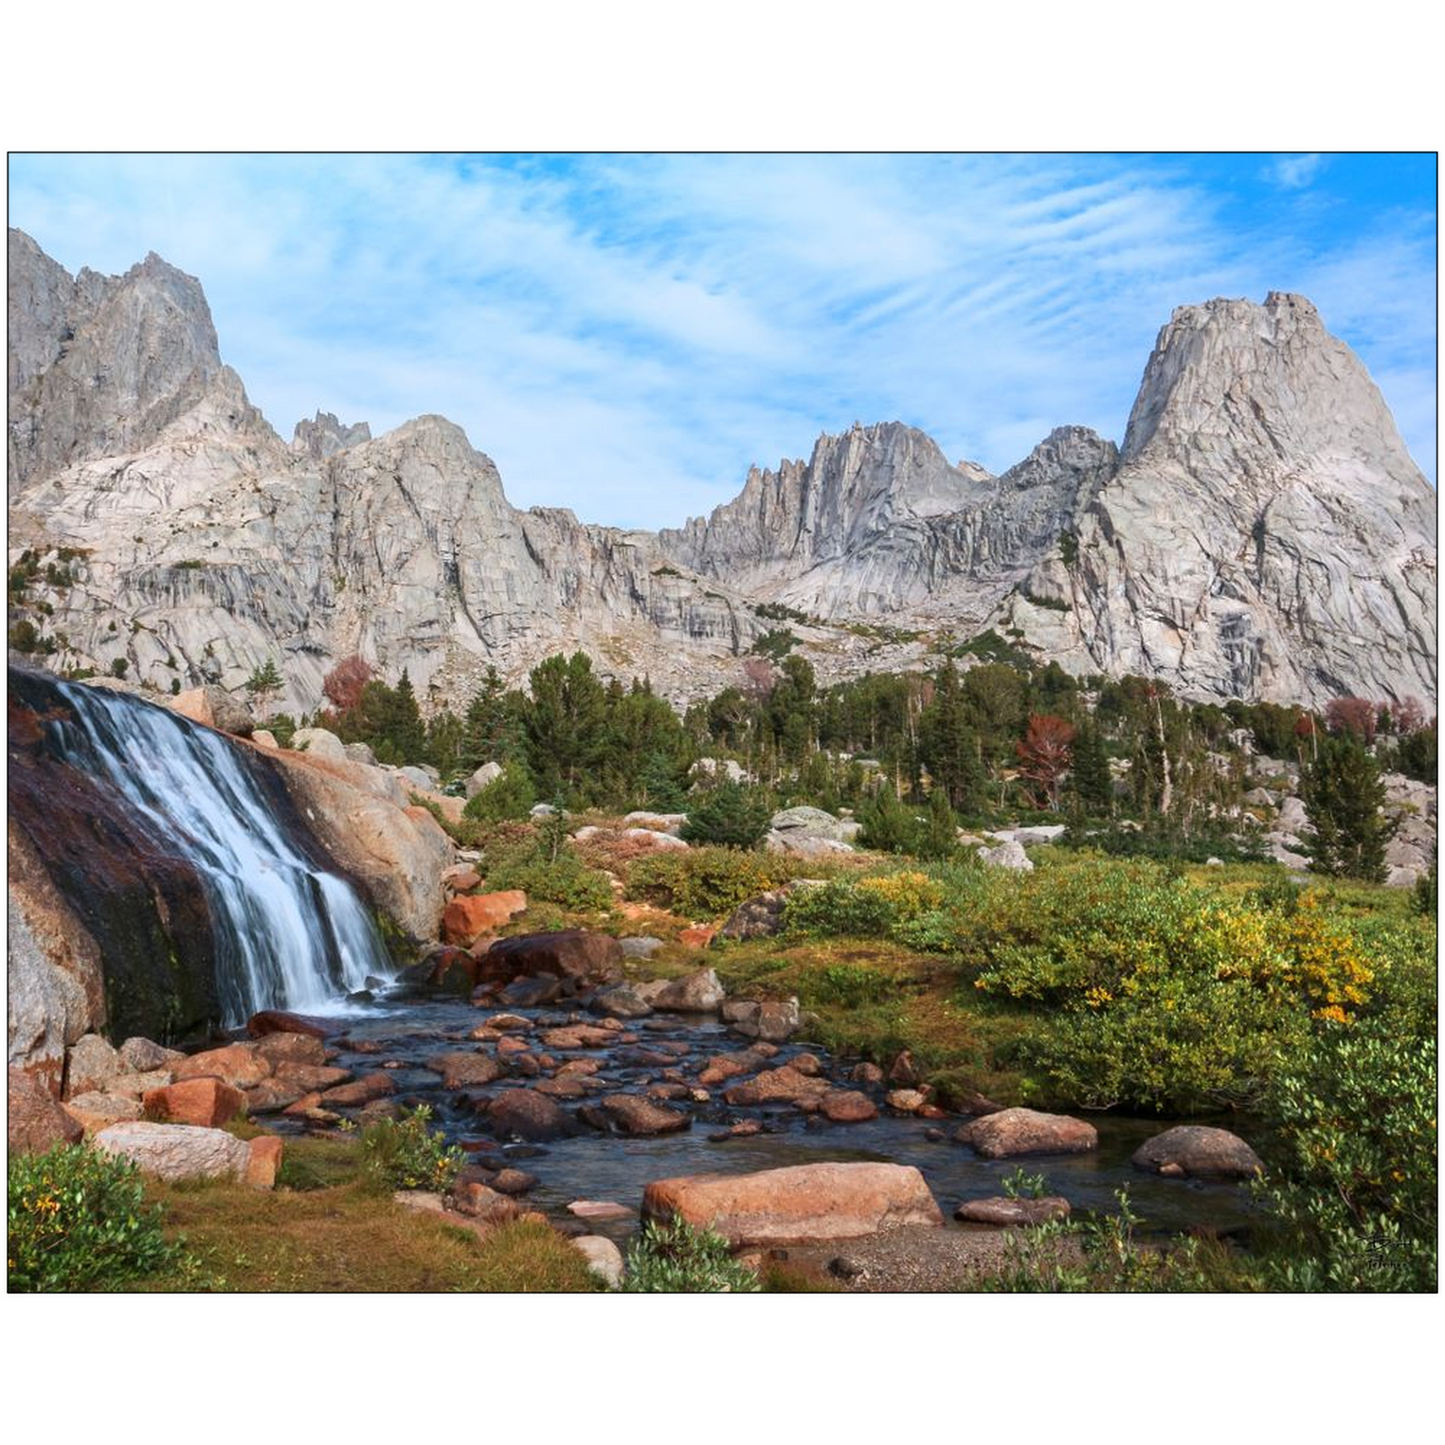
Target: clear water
286	933
613	1167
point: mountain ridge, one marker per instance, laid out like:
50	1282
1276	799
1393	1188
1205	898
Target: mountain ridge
1262	531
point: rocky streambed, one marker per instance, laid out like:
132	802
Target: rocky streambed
578	1107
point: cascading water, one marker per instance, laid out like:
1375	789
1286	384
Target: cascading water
287	934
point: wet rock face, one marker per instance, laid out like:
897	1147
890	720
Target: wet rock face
130	907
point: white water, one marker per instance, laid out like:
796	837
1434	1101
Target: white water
286	934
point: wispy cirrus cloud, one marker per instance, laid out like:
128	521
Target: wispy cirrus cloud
1295	172
625	334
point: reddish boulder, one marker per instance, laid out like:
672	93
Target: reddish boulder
278	1021
462	879
272	1095
362	1091
208	1102
775	1086
306	1077
572	953
467	918
848	1106
141	1056
527	1115
479	1202
278	1049
264	1159
797	1204
34	1118
462	1070
632	1115
237	1064
698	937
1014	1132
1193	1151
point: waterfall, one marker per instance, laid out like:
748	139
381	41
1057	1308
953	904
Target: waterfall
285	932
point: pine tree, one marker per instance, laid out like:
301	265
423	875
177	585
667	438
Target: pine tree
566	726
1090	778
1343	794
886	825
948	745
939	837
406	731
729	814
264	684
491	730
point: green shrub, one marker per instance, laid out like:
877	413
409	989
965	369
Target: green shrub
1356	1193
403	1153
705	882
731	815
509	796
676	1258
849	984
78	1220
886	825
1020	1184
873	907
565	880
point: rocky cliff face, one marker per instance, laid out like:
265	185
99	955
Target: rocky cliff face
210	545
1262	533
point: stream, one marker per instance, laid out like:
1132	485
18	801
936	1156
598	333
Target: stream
605	1166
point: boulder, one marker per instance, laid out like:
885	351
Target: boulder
906	1101
812	822
622	1001
306	1077
1008	854
655	822
137	1084
265	738
532	992
1012	1133
631	1115
214	707
484	777
177	1151
365	1090
1194	1151
760	917
35	1121
528	1115
464	1070
465	919
482	1202
773	1086
281	1049
279	1021
94	1112
655	840
805	845
1013	1213
513	1181
90	1066
208	1102
775	1021
604	1259
319	743
848	1106
797	1204
263	1161
141	1056
700	992
360	753
239	1065
591	958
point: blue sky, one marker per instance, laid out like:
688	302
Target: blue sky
624	335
